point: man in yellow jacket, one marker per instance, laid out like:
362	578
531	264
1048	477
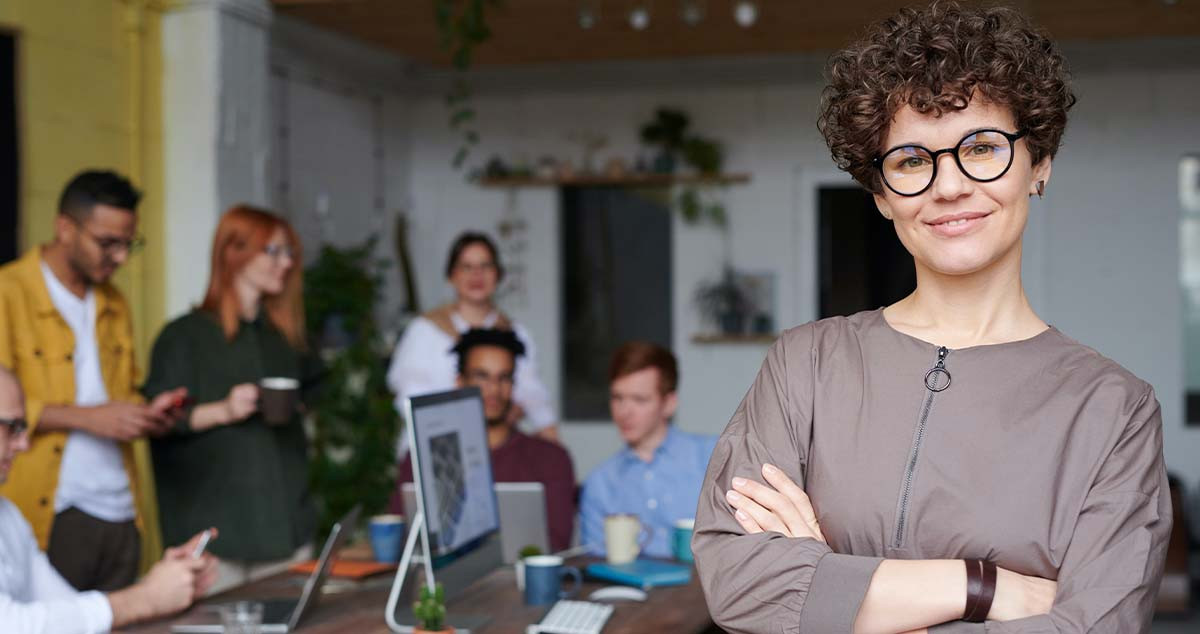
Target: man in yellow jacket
66	332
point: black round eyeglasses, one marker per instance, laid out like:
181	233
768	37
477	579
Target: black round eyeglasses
983	156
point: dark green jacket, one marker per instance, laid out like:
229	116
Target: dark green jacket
248	479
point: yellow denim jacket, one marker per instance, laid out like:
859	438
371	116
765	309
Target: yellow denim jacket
37	345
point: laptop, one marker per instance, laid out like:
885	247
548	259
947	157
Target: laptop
522	515
281	616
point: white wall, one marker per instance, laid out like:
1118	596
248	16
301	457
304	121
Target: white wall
339	168
215	129
1101	258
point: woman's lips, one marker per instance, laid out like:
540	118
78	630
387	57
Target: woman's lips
954	225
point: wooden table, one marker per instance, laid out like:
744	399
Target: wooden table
358	608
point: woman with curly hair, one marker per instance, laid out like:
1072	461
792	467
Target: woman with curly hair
948	463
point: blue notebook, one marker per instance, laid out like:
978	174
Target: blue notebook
642	573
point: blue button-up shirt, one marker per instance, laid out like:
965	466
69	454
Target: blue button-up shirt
659	492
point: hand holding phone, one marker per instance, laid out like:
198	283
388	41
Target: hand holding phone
202	544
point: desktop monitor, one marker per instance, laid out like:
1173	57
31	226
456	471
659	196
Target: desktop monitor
452	468
459	529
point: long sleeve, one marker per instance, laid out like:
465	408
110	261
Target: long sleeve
171	367
45	602
768	582
8	357
421	363
559	480
1112	568
528	390
592	509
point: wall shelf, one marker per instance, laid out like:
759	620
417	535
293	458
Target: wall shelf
711	339
629	180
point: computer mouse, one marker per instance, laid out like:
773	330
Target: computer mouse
618	593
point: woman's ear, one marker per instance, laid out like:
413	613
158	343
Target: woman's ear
884	207
1041	178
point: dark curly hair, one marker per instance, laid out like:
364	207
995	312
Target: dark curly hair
935	59
474	337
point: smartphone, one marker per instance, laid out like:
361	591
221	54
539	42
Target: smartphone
204	539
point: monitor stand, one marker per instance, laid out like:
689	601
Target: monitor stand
457	576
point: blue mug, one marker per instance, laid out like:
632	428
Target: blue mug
387	537
543	580
681	540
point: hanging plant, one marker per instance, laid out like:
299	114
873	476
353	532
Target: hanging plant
462	26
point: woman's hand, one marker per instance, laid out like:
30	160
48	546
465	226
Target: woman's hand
241	402
781	507
1019	596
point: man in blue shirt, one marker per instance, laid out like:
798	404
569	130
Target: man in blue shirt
657	476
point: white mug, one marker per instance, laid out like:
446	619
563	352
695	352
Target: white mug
624	537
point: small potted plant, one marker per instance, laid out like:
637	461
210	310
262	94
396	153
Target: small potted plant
724	303
665	132
430	610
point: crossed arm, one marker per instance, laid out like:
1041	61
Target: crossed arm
903	596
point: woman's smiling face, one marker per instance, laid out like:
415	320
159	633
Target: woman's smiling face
960	226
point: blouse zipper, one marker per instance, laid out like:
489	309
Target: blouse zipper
936	380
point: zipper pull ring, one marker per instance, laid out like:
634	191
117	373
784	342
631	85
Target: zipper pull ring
938	378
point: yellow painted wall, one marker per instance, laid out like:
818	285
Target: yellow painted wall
89	95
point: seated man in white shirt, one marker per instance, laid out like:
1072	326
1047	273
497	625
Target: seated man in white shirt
35	599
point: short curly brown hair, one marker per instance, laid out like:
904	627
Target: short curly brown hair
935	59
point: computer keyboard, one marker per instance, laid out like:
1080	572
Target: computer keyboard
573	617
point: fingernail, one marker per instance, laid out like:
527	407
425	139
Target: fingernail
737	482
770	469
741	515
732	496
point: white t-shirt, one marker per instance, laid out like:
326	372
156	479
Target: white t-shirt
34	598
92	477
424	362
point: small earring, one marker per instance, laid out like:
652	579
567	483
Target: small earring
1041	189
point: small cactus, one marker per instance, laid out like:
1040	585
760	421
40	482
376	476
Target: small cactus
430	608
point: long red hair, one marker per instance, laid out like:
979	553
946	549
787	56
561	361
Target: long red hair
242	234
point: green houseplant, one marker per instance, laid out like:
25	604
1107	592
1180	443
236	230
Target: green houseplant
430	610
352	422
723	302
668	131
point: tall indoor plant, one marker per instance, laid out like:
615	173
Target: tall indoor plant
353	422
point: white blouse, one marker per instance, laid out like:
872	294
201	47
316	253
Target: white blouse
424	362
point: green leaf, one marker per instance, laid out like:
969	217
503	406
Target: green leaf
461	116
716	213
462	58
460	157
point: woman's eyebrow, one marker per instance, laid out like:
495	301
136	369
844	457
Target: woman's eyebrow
964	135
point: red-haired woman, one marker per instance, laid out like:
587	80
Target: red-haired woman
221	464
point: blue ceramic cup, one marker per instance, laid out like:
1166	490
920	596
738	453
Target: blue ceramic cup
387	537
681	539
543	580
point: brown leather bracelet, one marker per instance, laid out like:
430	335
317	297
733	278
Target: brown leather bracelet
974	587
987	593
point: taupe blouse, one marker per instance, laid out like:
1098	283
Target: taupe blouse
1040	455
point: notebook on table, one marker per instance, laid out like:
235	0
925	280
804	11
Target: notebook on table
642	573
